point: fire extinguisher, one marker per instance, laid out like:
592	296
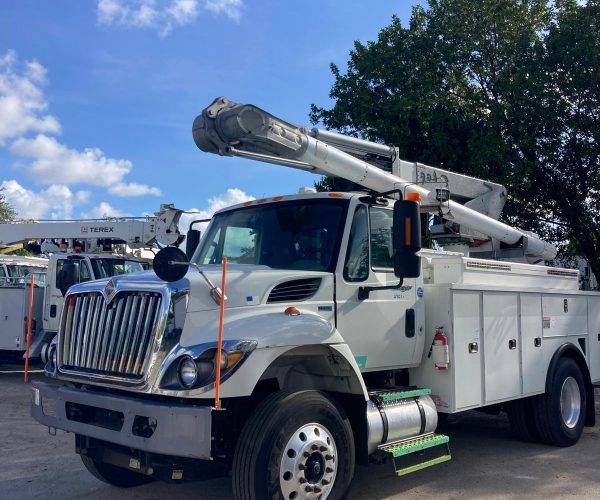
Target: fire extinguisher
441	354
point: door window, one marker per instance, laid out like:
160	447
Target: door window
356	267
381	238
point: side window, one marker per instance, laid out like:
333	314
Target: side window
84	272
356	267
59	268
2	272
381	238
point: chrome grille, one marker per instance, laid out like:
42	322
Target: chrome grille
109	339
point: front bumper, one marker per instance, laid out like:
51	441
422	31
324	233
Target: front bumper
179	430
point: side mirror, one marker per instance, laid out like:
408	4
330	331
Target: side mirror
191	242
406	239
67	276
170	264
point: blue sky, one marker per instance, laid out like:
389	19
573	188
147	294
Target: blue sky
97	97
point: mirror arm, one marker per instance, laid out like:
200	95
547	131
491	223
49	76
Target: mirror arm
215	292
365	291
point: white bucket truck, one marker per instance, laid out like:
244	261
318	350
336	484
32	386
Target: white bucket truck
340	339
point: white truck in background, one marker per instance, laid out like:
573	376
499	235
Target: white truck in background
342	339
15	280
79	251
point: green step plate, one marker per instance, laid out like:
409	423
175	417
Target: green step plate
389	396
414	445
423	465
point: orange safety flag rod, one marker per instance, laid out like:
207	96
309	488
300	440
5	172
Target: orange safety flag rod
28	338
220	340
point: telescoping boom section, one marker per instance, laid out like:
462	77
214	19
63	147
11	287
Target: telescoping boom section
231	129
161	229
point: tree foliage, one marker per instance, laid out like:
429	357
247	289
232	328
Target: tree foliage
7	213
506	91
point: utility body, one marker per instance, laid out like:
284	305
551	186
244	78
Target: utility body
342	339
15	283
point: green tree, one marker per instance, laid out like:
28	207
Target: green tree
506	91
7	213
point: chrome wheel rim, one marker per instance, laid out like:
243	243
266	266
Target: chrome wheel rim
570	402
308	464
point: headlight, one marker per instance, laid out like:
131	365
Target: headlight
188	372
196	367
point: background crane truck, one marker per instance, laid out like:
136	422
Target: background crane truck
86	254
342	340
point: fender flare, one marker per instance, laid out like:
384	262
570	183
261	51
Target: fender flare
569	350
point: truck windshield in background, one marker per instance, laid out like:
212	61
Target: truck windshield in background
302	235
107	267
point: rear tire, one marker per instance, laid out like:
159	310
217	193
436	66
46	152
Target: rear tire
560	413
116	476
522	421
294	445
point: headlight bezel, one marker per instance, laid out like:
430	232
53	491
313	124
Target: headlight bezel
233	354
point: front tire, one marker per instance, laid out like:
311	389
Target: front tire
560	413
295	445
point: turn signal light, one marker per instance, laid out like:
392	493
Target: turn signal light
414	197
292	311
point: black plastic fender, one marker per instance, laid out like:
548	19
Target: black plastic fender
569	350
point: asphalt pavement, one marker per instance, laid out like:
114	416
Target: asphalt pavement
487	462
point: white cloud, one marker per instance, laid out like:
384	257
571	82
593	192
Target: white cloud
133	189
230	197
162	15
55	202
102	211
231	8
23	110
55	163
22	102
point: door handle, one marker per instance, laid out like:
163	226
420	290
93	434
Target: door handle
512	344
537	342
473	347
409	323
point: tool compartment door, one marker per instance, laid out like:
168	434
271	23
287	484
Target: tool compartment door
466	349
501	346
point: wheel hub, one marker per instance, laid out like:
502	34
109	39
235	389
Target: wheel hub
570	402
308	464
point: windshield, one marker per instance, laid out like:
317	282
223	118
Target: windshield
107	267
303	235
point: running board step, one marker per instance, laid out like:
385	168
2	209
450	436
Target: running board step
418	448
389	395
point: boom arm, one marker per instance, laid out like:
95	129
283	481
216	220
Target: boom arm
243	130
160	229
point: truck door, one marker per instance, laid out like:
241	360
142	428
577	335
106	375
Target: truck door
384	329
53	300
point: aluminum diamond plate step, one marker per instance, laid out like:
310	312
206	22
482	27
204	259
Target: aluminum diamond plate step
390	395
418	446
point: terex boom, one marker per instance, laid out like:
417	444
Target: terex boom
342	339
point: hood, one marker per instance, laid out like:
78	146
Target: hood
246	285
